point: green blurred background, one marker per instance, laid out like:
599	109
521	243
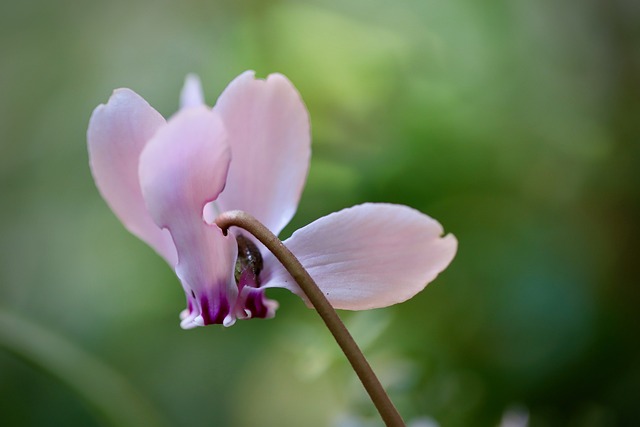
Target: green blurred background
514	123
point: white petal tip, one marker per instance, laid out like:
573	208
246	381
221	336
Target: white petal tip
187	324
228	321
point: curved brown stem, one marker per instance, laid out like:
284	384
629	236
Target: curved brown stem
372	385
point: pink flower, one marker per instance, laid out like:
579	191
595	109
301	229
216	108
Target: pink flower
167	181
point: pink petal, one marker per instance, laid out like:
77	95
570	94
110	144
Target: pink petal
183	167
191	94
269	135
368	256
118	131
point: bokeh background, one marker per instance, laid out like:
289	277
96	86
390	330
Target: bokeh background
514	123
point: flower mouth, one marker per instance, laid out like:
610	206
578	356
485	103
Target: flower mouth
252	301
249	262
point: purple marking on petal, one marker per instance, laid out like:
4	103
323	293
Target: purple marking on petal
255	303
214	312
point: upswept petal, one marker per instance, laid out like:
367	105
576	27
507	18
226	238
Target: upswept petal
368	256
269	135
191	94
118	132
183	167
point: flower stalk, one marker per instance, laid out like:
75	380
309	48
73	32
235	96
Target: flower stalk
372	385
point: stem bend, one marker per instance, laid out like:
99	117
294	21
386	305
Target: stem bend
385	407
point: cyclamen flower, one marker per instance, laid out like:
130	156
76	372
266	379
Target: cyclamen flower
168	180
